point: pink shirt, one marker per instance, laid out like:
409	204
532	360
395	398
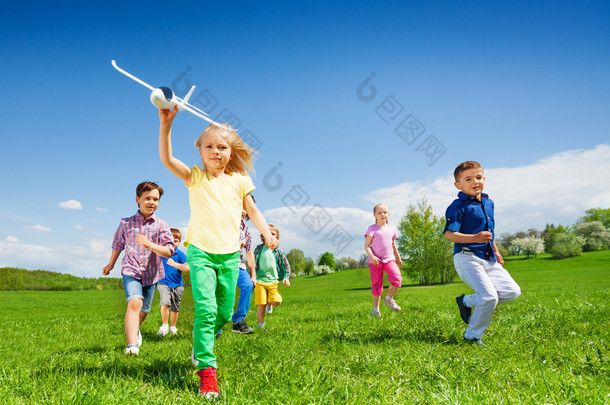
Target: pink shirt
381	244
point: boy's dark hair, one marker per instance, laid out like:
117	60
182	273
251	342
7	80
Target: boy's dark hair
469	164
176	232
147	186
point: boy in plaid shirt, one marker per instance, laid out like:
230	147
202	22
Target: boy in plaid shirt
145	239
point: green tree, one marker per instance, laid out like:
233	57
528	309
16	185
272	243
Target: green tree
567	245
550	234
598	214
296	258
595	235
309	267
327	259
429	256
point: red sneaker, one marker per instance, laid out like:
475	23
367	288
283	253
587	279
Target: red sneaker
208	385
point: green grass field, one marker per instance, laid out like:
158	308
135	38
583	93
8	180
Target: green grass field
321	346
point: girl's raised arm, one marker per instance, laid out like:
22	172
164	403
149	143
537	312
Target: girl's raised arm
174	165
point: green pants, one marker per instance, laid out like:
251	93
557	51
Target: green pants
213	279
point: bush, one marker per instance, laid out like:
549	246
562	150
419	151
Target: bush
322	270
567	245
594	234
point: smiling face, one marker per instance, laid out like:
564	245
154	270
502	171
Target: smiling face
148	202
471	182
382	214
215	152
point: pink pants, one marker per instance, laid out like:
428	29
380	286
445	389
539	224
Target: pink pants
394	276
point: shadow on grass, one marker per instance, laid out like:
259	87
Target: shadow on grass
388	336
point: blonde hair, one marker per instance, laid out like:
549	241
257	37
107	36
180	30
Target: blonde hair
277	232
242	154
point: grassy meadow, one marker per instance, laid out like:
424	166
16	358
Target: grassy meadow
550	346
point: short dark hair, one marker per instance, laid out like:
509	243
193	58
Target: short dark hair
148	186
469	164
176	232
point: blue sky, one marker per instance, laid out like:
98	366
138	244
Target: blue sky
522	87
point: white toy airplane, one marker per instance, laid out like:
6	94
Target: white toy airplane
163	97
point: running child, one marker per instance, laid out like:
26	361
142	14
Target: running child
383	256
171	287
145	239
470	225
271	267
217	195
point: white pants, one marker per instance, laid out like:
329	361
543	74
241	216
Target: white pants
491	283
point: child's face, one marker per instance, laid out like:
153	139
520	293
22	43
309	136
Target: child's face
215	151
382	214
148	202
471	182
176	241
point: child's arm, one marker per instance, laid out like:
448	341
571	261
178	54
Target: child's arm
113	258
499	257
259	222
286	263
179	266
251	263
396	255
174	165
369	251
162	251
458	237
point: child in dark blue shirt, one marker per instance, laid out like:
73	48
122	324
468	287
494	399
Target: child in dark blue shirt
470	224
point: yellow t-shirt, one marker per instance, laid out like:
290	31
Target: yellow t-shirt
216	205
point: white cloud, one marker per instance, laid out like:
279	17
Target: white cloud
38	227
79	227
71	205
12	239
99	209
557	189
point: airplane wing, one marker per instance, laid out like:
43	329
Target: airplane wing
132	77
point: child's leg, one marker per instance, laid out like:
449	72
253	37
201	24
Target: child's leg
472	270
376	282
203	280
132	320
504	284
148	292
225	289
164	314
174	307
394	277
174	319
244	283
260	313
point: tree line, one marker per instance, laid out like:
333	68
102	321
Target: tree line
14	279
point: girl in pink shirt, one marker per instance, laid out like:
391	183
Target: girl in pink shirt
383	256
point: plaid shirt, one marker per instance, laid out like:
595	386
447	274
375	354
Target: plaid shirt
138	261
470	216
283	266
245	240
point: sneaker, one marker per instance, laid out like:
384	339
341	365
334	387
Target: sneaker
376	313
261	324
475	341
208	386
465	311
242	327
173	330
389	302
139	338
269	308
132	351
193	359
163	330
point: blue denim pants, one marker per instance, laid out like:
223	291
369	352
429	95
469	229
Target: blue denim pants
244	283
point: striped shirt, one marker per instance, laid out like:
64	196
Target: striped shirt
138	261
245	240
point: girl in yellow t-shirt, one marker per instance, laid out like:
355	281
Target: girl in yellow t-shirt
217	195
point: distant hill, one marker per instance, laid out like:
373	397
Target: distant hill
13	279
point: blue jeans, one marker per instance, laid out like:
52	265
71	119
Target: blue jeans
244	283
134	290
